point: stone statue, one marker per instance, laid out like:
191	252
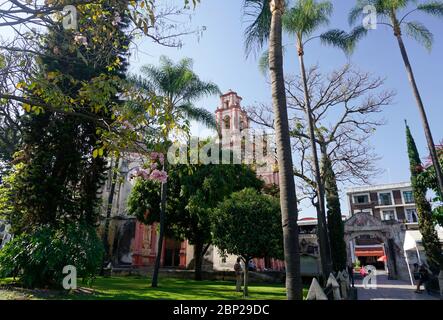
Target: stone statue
343	277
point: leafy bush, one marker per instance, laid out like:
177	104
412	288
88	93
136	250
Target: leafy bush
38	258
248	224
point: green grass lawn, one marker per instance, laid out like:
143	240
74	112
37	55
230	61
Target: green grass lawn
127	288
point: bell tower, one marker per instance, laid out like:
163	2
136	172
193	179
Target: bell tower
233	124
230	117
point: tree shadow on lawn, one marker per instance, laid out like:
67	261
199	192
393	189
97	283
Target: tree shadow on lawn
139	288
130	288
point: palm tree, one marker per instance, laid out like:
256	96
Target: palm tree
395	14
266	25
302	20
179	87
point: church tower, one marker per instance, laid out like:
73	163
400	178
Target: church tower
230	117
233	124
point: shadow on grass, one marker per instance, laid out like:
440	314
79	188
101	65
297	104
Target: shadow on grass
139	288
130	288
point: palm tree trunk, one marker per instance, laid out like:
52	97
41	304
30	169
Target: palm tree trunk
325	250
288	198
164	188
423	116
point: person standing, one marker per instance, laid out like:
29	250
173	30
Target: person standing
238	274
252	266
351	274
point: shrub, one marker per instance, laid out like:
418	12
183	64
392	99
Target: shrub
38	258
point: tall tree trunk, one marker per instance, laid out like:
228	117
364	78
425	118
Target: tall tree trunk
105	239
325	250
198	260
164	188
246	278
336	228
288	198
421	109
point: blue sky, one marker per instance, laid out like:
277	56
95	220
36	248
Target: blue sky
219	57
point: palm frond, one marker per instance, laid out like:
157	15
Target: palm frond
306	16
259	24
420	33
343	40
177	82
357	12
337	38
263	63
153	75
140	82
382	7
434	8
196	89
199	114
385	6
355	36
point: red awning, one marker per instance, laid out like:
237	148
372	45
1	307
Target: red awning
369	252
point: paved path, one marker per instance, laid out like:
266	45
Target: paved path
391	290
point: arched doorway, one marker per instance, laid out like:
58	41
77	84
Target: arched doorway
369	249
368	237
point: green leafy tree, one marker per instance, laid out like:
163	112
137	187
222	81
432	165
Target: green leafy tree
194	190
396	15
431	242
335	221
63	169
38	258
62	165
428	179
266	26
247	224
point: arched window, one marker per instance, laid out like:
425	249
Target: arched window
227	122
242	124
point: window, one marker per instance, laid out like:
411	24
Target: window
363	211
408	196
411	215
385	199
361	199
227	121
242	124
388	215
